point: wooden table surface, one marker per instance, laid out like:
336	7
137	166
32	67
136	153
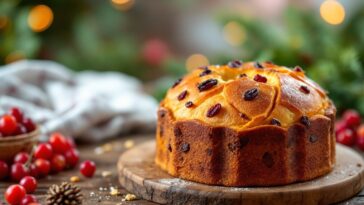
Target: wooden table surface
97	189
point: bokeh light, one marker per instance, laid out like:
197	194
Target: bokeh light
14	56
122	5
234	33
40	18
332	11
196	60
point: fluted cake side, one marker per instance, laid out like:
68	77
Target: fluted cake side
251	124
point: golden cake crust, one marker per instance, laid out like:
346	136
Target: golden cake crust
246	125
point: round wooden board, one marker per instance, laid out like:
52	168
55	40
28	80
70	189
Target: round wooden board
139	175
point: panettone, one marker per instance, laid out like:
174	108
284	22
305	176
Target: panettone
246	124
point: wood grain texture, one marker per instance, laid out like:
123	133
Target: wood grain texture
104	162
108	162
139	174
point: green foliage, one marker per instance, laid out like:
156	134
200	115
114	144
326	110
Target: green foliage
83	35
331	55
16	35
93	35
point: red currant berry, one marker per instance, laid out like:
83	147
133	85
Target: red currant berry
28	199
58	163
59	143
72	157
155	52
88	168
33	171
18	171
43	151
43	167
352	118
8	124
28	124
346	137
20	129
340	126
21	157
4	170
14	194
17	113
29	183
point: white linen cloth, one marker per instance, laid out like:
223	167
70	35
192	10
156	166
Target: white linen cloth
89	105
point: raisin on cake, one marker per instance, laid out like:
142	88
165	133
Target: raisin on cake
246	124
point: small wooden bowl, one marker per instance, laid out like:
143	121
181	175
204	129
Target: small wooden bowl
10	146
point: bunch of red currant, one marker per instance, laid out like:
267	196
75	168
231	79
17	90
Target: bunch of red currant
51	157
349	130
15	123
21	194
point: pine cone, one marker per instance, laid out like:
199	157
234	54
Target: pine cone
64	194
